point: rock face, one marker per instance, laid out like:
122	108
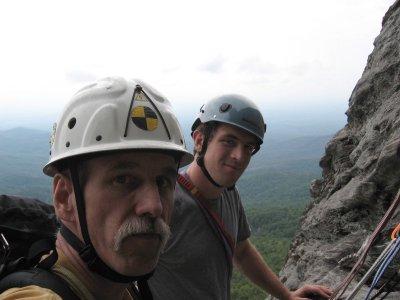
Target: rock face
360	178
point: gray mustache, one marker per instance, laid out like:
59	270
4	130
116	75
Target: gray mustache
142	225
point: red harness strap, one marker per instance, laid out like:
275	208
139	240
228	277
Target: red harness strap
203	202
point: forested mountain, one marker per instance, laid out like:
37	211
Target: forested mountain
281	170
275	192
280	173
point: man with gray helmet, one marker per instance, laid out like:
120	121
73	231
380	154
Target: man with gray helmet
209	228
115	154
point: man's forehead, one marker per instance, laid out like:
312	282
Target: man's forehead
136	157
235	131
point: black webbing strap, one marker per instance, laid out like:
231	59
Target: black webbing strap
31	270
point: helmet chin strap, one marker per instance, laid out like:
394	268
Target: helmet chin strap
200	163
86	250
88	254
200	159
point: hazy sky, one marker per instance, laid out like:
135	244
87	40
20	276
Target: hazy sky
282	54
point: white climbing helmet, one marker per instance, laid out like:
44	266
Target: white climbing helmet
116	114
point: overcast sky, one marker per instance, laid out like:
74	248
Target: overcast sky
282	54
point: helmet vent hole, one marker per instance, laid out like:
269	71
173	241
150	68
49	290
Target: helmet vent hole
67	144
98	138
225	107
71	123
181	141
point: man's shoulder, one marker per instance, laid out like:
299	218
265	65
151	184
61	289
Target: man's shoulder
29	292
182	194
36	281
183	200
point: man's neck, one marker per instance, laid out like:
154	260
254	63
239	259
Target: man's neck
93	282
206	188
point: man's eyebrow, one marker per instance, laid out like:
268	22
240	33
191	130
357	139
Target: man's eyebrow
230	135
170	171
129	165
235	137
122	165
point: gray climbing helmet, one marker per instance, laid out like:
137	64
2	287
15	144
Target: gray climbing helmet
234	110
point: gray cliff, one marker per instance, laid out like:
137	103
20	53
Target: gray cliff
360	177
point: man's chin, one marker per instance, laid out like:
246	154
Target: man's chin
140	270
139	263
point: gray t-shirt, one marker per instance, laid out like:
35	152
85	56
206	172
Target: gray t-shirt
194	262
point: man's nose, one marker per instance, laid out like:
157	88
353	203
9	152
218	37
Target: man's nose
149	202
238	152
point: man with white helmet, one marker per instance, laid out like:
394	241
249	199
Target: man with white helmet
115	154
209	228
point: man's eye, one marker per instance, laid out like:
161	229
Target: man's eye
123	180
164	182
228	142
120	179
250	148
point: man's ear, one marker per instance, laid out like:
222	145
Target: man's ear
198	139
64	197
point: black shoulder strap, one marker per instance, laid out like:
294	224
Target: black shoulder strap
40	277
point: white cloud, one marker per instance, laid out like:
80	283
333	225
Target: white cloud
214	65
276	52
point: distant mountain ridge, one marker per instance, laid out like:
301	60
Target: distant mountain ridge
24	151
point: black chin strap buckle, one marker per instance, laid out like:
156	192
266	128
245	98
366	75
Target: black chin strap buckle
88	256
86	252
231	187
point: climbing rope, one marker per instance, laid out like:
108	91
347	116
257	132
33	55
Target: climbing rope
370	271
395	278
391	254
341	288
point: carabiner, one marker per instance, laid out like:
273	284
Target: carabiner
395	232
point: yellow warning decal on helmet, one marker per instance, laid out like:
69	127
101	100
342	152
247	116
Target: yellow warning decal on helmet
144	118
